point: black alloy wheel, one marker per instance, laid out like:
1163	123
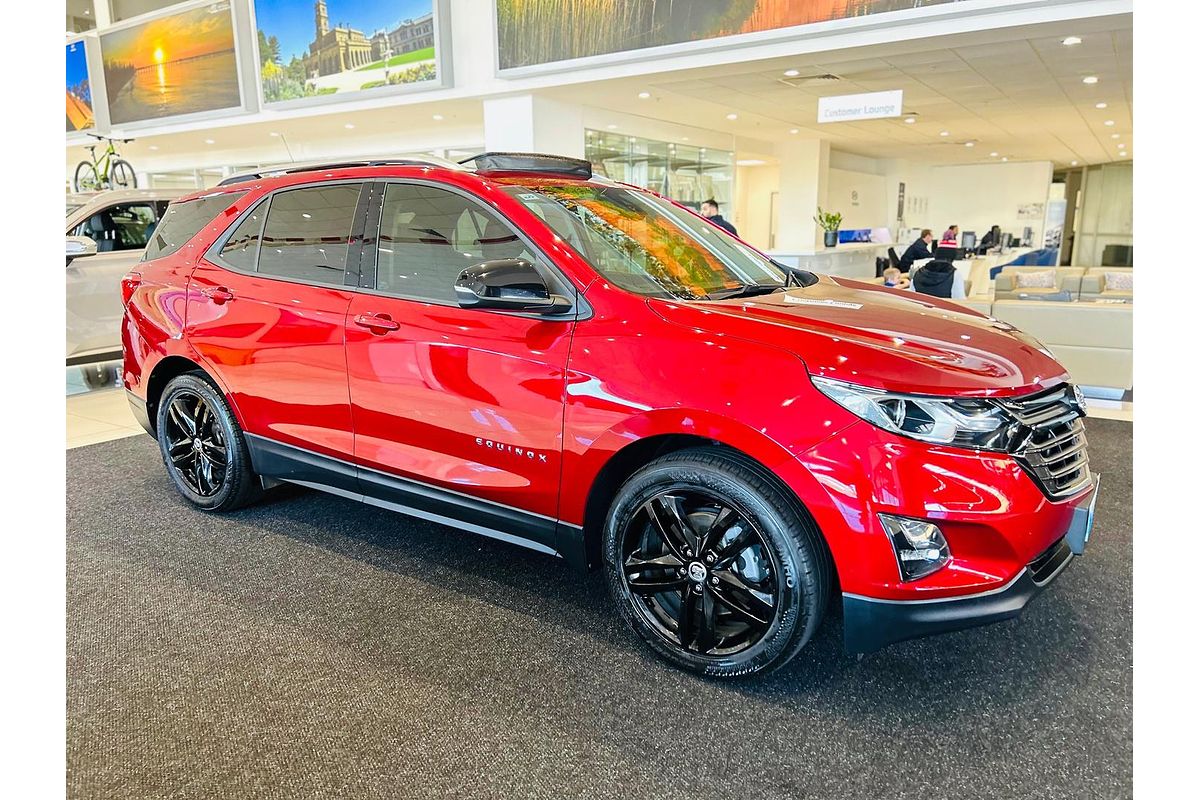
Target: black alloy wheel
701	572
202	446
195	444
715	564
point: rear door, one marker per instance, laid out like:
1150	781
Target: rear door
267	309
94	309
469	401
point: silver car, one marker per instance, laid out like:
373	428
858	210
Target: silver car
118	224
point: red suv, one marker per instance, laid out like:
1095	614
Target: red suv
584	368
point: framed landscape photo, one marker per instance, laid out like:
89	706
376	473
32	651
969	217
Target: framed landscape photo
179	63
81	114
322	50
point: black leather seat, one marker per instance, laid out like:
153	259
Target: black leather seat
103	231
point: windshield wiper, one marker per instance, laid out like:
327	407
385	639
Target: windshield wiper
747	290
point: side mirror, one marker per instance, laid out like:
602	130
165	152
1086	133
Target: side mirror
79	247
507	284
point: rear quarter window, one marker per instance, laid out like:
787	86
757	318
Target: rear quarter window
184	220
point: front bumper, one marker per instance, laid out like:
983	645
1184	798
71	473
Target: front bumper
873	623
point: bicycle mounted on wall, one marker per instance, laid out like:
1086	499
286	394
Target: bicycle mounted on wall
109	171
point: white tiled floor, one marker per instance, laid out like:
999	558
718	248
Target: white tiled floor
98	417
1110	409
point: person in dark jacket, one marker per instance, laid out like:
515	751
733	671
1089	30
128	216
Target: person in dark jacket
710	209
935	279
917	250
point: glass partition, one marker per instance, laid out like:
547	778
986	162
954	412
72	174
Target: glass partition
687	174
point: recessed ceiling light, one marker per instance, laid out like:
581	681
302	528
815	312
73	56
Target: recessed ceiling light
1004	159
153	147
750	162
791	73
1101	105
683	138
438	118
1115	136
944	133
612	127
993	154
1124	155
644	95
275	133
1074	163
209	141
1071	41
1090	79
970	144
1109	123
910	120
349	126
731	116
794	130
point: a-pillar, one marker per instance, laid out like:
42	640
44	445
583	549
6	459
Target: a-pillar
530	124
803	186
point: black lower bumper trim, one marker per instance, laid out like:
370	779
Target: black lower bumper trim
138	406
872	624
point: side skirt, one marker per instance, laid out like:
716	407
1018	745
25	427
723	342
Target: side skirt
272	459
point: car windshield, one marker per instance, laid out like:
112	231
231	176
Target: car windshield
647	245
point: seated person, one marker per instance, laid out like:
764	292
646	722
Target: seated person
950	237
917	250
940	279
893	278
990	239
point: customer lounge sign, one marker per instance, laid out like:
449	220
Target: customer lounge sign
846	107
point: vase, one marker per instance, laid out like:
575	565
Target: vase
831	238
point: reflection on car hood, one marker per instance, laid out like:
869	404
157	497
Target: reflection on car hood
885	338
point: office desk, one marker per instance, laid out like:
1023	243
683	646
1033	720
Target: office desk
853	260
977	270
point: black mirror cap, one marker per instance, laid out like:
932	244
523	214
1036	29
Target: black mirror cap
512	284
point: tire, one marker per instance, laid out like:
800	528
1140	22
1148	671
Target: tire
756	593
121	175
100	376
191	404
86	179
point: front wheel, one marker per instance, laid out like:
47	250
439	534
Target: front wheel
713	565
86	179
121	175
203	447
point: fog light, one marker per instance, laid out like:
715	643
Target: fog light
919	546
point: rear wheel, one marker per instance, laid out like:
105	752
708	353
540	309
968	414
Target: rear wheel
121	175
713	566
86	179
203	447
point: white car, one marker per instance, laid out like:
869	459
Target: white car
118	223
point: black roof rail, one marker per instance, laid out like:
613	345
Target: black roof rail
531	162
289	169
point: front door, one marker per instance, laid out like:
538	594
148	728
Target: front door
453	406
268	313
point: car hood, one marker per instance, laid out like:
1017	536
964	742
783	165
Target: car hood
883	338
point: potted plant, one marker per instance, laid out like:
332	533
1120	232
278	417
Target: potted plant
830	221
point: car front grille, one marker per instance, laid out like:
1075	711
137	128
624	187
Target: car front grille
1054	447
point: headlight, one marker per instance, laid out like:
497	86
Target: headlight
962	422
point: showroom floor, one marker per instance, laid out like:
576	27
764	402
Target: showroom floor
313	647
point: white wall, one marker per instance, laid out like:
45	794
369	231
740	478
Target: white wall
753	188
977	196
860	197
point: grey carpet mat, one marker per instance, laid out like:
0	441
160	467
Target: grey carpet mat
314	647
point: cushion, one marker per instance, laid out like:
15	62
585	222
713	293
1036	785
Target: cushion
1044	279
1118	281
1044	294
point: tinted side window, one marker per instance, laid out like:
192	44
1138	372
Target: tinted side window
241	248
126	226
428	235
307	233
184	220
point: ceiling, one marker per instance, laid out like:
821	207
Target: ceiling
1017	92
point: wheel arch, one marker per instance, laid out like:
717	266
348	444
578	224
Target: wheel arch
166	370
750	448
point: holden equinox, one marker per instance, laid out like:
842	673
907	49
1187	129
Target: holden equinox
526	351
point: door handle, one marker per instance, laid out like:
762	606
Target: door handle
376	323
219	295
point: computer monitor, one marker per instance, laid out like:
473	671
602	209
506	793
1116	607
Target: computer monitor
967	241
1027	237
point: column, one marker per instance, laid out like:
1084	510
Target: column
530	124
803	185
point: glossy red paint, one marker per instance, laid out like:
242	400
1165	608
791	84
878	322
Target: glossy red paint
527	411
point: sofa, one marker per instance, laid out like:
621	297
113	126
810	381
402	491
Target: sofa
1094	341
1066	283
1095	286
